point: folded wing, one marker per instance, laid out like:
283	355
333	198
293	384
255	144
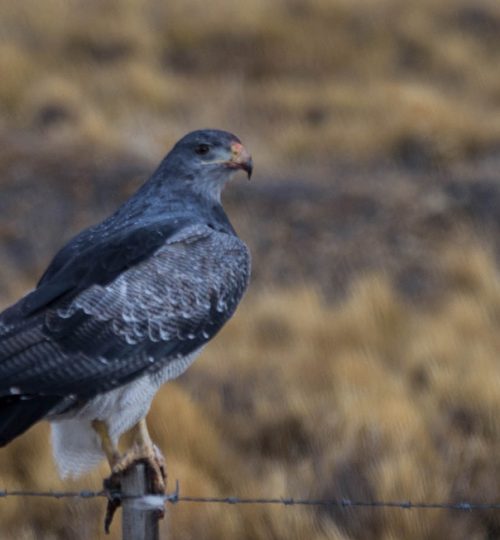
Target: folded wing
97	325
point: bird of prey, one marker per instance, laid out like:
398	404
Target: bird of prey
125	306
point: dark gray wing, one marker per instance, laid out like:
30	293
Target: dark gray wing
109	333
81	264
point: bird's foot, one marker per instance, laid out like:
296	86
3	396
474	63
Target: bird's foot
156	468
152	457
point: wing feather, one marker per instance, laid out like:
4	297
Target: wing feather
74	270
165	307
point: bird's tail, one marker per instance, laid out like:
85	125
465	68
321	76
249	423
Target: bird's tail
19	412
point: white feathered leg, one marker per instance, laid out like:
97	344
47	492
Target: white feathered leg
76	446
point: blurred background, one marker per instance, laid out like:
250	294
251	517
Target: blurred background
363	362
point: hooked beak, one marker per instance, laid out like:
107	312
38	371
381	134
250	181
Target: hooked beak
240	159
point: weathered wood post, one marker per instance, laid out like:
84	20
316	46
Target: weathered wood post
139	522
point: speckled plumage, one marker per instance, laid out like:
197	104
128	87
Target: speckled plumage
124	307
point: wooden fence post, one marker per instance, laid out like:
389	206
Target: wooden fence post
138	522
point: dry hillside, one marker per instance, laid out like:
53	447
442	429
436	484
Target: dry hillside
364	361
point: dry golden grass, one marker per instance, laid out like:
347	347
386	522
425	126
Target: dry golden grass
416	81
373	398
369	399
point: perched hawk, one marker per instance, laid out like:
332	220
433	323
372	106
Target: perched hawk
124	307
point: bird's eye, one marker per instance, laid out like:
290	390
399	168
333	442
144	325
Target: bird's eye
202	149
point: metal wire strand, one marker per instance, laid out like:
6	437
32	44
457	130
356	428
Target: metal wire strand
176	498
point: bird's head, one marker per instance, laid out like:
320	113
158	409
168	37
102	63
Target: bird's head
206	160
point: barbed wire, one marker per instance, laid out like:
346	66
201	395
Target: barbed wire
83	494
155	501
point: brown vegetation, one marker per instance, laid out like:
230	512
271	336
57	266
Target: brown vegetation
413	81
364	362
372	400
